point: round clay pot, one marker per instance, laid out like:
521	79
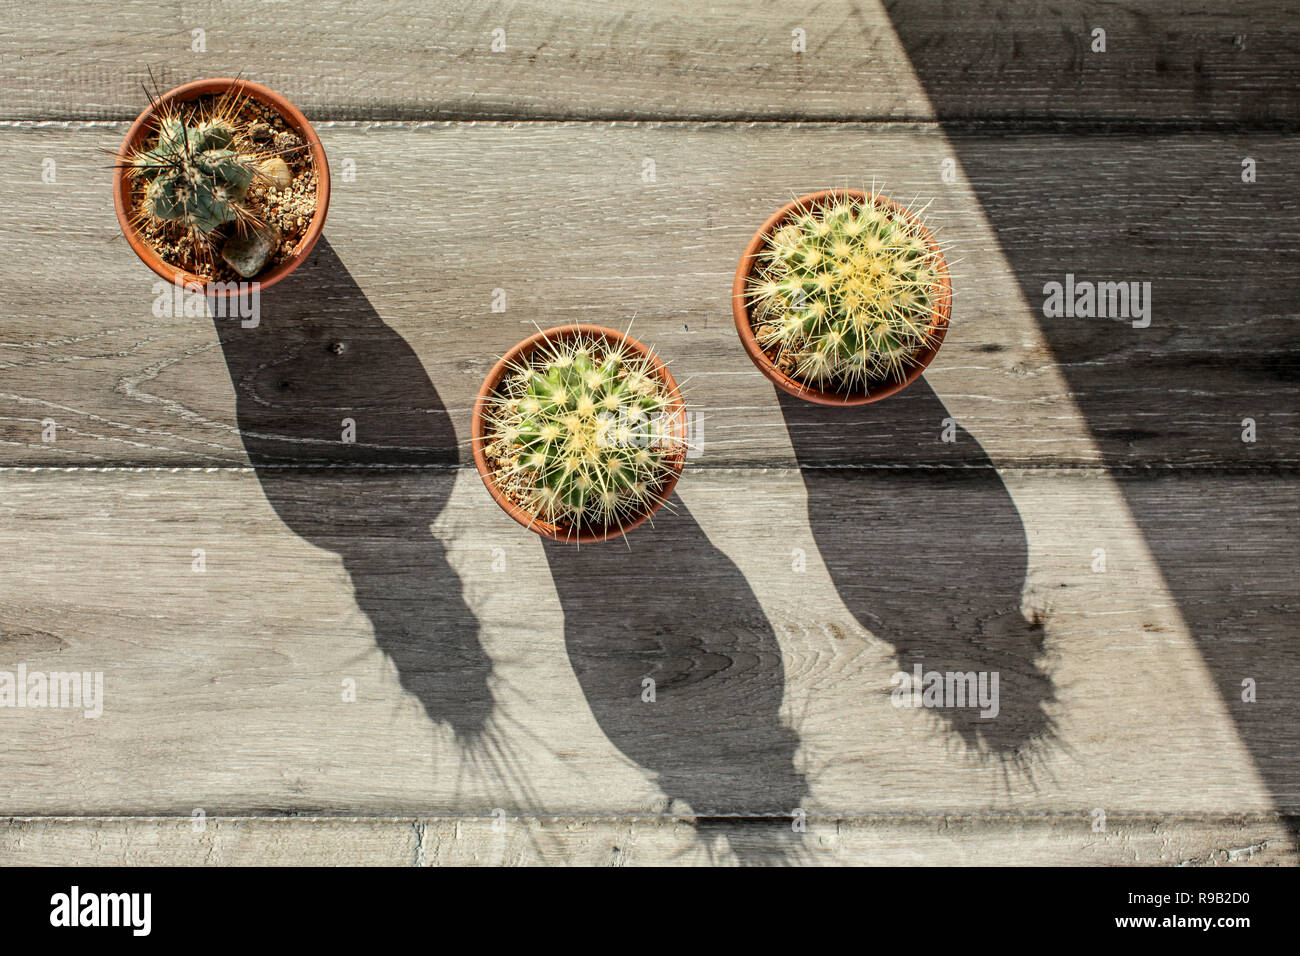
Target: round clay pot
740	309
478	435
145	126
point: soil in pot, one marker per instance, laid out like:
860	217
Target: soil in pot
842	297
276	210
580	433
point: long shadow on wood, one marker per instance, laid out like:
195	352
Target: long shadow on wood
322	363
930	558
1221	345
675	611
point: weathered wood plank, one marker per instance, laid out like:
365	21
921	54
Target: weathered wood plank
1183	63
560	218
491	671
424	841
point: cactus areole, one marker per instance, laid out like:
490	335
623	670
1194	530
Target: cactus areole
842	297
579	433
194	170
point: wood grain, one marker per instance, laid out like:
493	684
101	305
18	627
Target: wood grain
1016	61
771	641
559	218
433	841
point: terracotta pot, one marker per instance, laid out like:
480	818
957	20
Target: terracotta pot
478	435
740	309
144	126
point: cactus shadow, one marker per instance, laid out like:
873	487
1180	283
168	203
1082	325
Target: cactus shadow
675	610
931	559
322	354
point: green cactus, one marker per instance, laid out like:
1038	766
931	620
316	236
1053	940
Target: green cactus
196	174
584	432
846	293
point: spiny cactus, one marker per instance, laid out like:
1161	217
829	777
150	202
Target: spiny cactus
197	173
846	293
583	432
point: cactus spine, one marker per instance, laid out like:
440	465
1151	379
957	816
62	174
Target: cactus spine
583	432
845	292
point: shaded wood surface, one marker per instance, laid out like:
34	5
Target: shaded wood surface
559	218
1018	61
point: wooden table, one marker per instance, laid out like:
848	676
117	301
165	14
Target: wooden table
320	652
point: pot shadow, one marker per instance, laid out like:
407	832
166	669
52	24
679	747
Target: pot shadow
320	361
930	558
712	736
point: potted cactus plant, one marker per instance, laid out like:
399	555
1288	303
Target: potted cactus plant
579	433
842	297
219	181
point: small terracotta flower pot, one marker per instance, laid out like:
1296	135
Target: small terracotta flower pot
740	308
145	125
479	438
